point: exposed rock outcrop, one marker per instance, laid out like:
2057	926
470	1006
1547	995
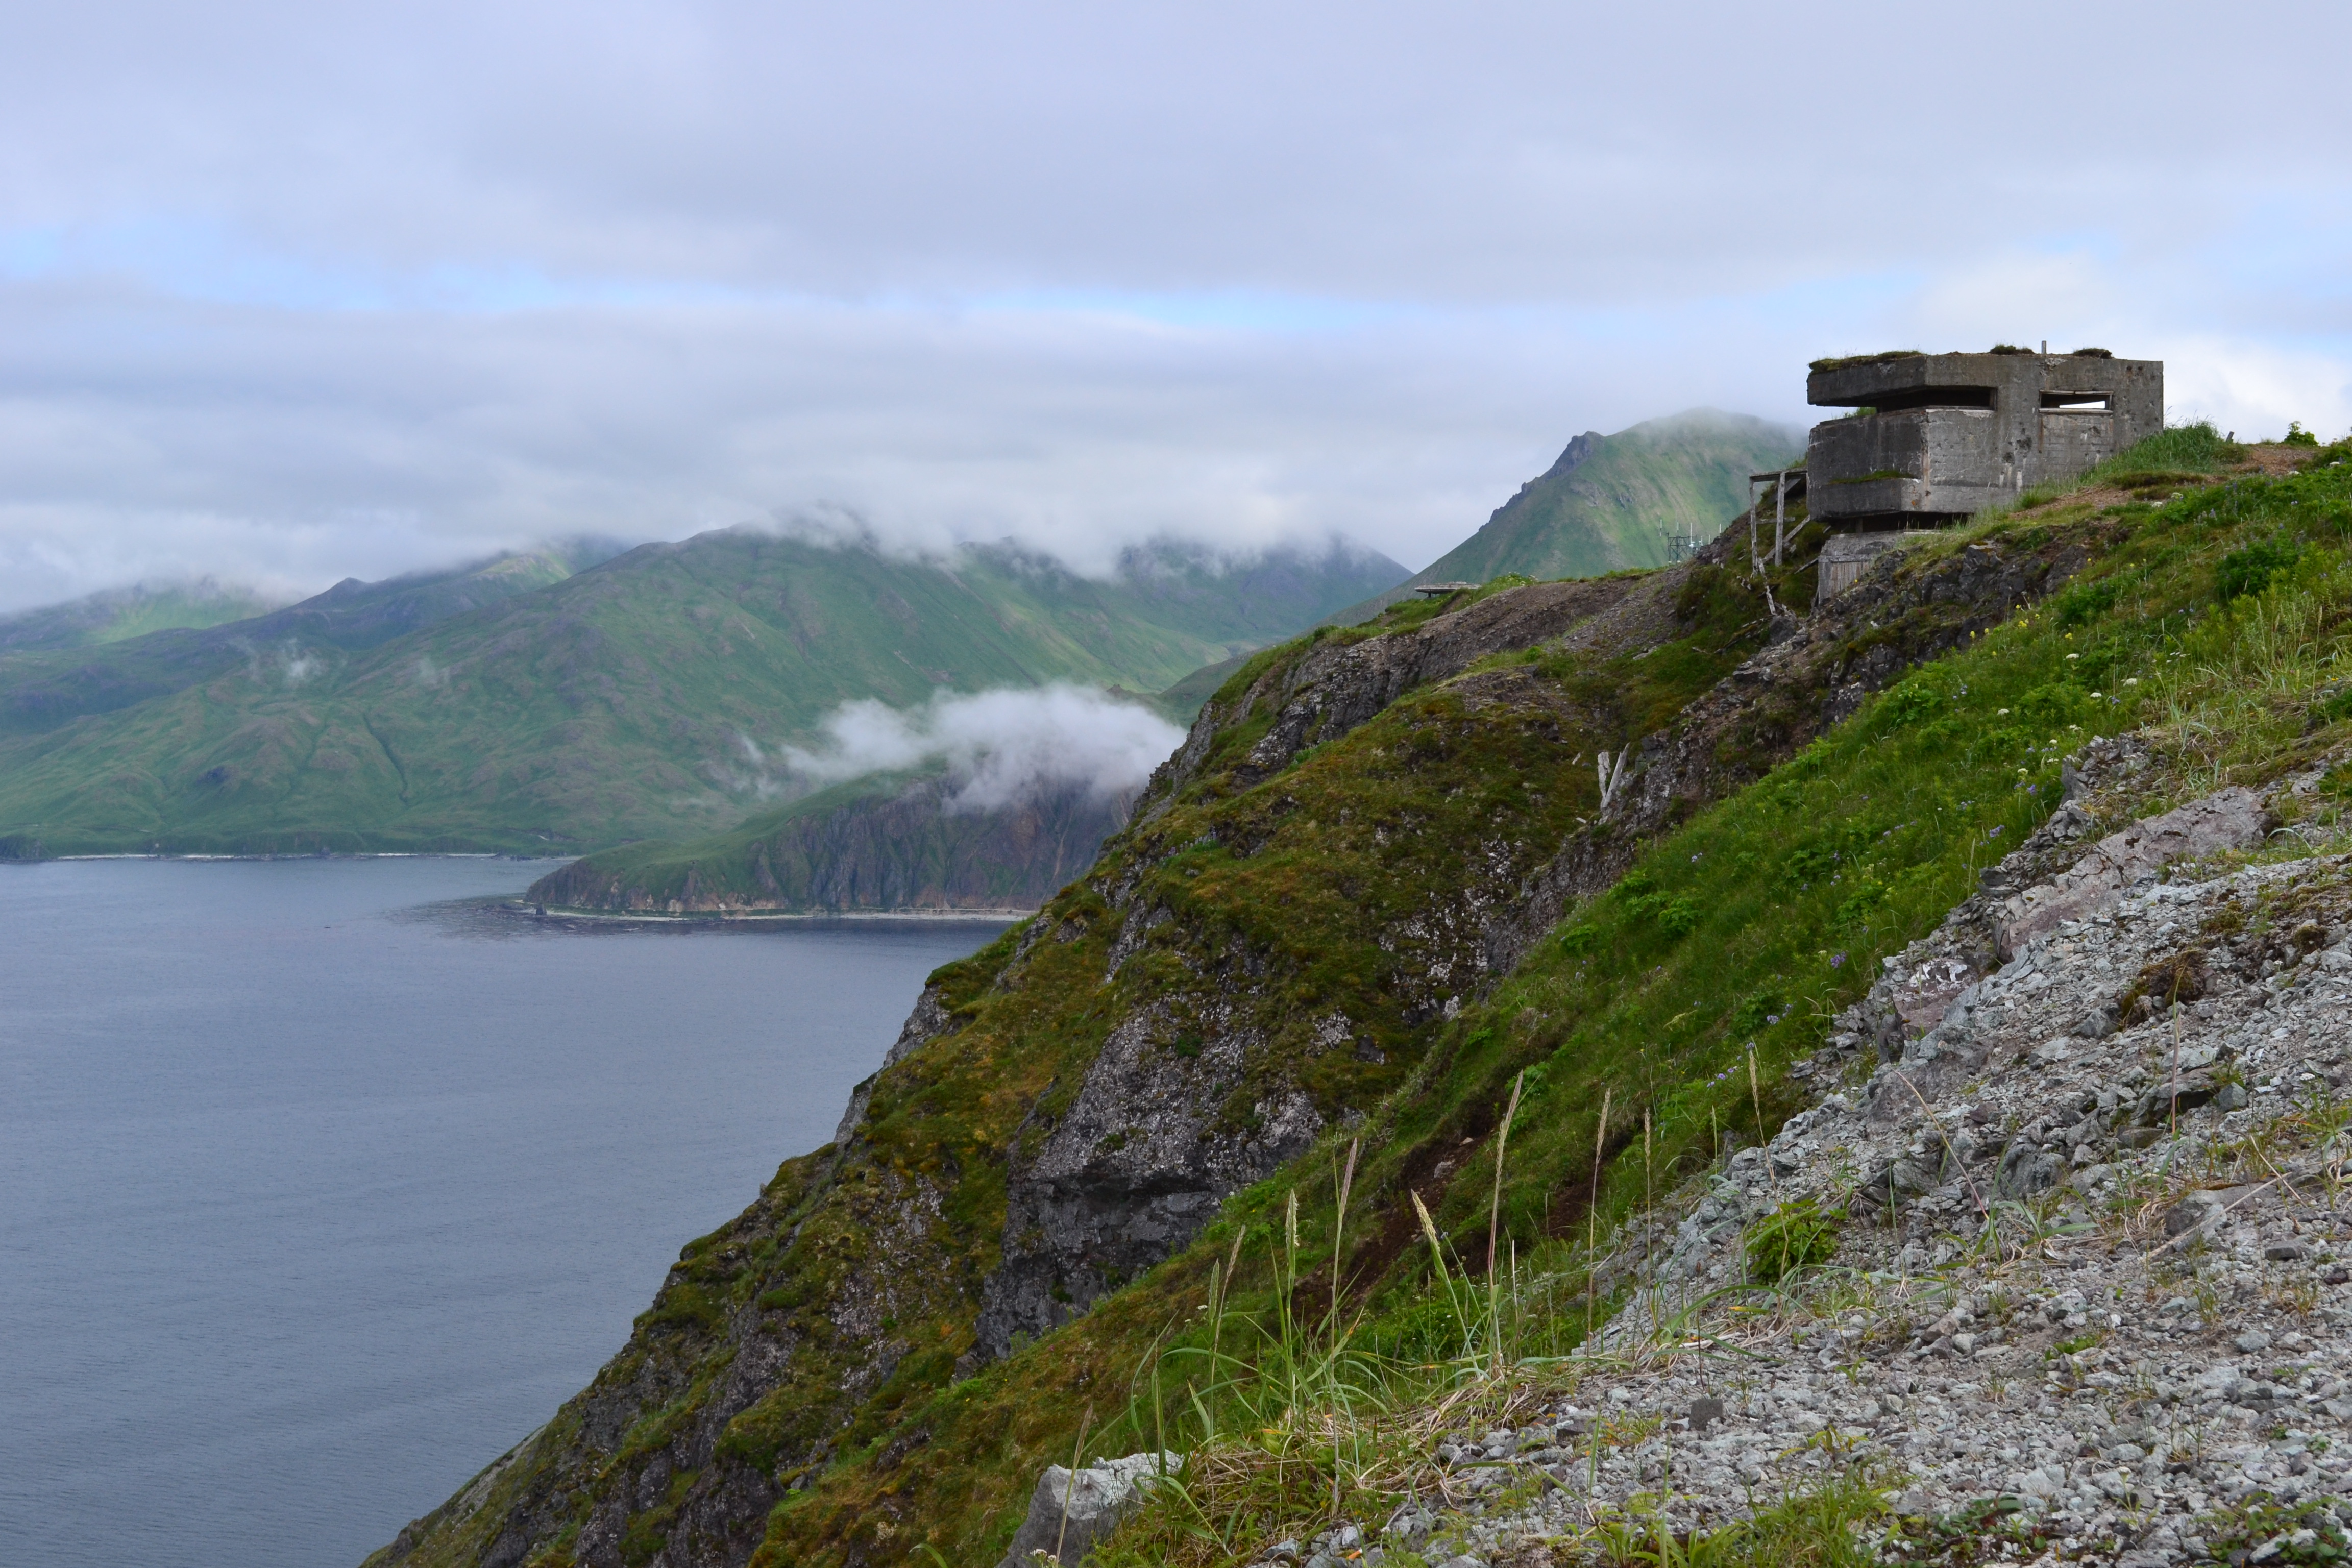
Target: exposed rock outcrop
2232	819
907	848
1066	1517
1340	683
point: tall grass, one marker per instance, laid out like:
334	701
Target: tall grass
1292	1423
2178	452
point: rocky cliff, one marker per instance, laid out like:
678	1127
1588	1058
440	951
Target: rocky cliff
1361	833
877	846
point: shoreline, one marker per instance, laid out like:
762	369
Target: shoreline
525	910
304	855
307	854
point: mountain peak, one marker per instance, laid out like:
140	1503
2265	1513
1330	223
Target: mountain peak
1574	455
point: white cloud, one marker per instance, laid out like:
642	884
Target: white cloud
999	747
295	293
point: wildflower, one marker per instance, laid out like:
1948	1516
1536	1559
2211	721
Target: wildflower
2000	712
1837	961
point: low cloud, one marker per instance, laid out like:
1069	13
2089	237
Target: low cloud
1002	747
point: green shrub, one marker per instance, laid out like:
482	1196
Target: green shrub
2083	603
2250	569
1907	704
1673	913
1792	1237
1758	1009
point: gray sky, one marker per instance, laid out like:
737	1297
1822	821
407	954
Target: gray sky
296	290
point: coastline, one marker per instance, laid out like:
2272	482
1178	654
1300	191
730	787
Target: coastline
525	910
305	855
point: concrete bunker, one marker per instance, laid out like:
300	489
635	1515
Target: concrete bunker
1935	438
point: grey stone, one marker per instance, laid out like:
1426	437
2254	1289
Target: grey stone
2233	819
1104	1493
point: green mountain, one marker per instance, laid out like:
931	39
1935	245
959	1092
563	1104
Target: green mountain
50	683
114	614
527	705
1390	1018
1616	501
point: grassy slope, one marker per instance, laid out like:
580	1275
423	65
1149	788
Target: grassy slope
1795	887
1621	506
616	704
1761	917
1754	920
42	687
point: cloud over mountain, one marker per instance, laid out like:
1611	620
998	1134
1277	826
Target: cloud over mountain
1001	746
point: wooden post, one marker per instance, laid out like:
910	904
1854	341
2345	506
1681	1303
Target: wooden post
1780	516
1754	561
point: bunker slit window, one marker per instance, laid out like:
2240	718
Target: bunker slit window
1933	397
2076	402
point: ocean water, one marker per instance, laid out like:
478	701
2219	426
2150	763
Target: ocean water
319	1189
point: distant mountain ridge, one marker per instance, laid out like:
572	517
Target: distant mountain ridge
46	685
1609	502
115	615
523	705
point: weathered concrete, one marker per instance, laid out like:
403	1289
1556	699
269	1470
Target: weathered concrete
1846	556
1950	435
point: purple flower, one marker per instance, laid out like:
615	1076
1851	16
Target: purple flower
1837	961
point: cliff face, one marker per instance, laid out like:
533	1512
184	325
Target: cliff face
1361	832
901	845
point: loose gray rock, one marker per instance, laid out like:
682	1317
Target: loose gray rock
1106	1492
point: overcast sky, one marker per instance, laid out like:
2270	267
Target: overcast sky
294	291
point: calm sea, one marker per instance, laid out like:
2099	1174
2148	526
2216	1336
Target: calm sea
317	1189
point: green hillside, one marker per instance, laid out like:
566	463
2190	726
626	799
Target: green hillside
114	614
1616	501
1090	1200
523	706
48	683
